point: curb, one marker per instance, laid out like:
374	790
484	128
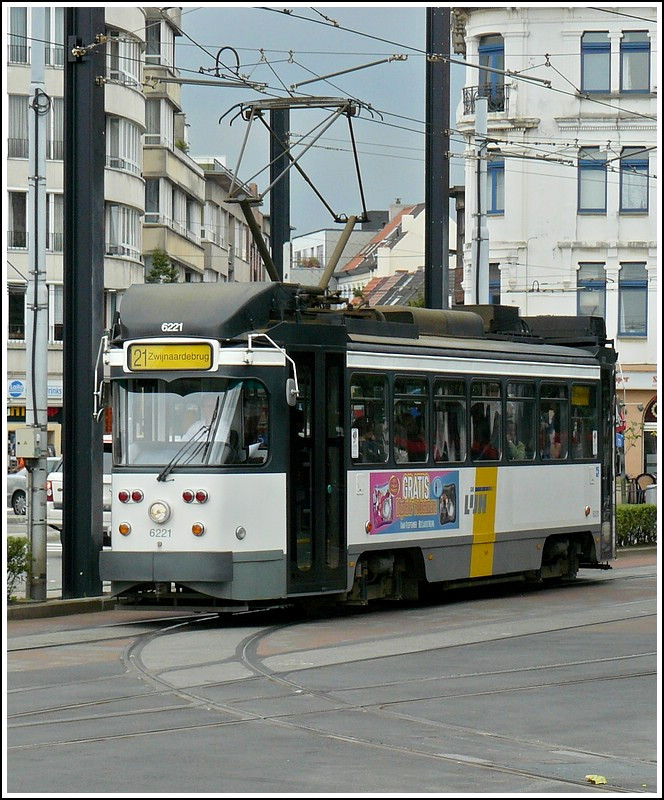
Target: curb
58	608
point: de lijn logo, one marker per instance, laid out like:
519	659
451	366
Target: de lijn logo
16	389
476	501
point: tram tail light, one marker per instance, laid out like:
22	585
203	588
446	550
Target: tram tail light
200	496
134	496
49	491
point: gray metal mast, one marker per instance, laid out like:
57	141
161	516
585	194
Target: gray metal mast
437	198
35	439
85	125
480	244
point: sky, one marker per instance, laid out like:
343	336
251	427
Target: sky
281	49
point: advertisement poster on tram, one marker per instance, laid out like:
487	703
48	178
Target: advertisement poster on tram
414	501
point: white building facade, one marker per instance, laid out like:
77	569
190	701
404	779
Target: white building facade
571	189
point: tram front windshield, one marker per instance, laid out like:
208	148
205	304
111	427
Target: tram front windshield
190	422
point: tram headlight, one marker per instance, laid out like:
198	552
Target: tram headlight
159	511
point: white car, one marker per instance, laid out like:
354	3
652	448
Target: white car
54	497
17	487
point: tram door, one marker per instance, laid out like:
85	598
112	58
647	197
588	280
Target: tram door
316	525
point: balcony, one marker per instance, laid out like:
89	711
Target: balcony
497	95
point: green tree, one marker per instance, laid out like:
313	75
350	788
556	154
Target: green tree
162	271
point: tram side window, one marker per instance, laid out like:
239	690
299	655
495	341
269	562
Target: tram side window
410	433
554	421
368	418
520	422
485	421
449	420
585	421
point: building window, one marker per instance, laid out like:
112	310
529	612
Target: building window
55	37
124	145
496	179
492	84
592	181
634	179
591	290
19	53
159	43
152	200
17	123
55	128
55	312
16	312
54	223
494	284
123	231
635	62
17	235
123	55
596	62
633	300
159	122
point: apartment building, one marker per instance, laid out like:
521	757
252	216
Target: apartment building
571	163
157	198
123	185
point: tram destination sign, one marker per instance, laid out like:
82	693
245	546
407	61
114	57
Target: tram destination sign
191	356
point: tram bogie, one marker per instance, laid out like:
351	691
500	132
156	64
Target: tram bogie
273	447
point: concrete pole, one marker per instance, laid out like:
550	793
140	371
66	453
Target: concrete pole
36	415
480	250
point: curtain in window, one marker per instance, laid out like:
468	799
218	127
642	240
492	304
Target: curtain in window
17	121
55	129
633	301
18	37
17	219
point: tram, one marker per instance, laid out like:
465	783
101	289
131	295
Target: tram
273	444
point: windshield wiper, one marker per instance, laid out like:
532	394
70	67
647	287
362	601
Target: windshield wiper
212	432
194	444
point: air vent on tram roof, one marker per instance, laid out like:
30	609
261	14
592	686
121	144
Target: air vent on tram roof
435	322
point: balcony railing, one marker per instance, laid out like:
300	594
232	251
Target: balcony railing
17	148
17	239
55	150
19	54
55	242
497	95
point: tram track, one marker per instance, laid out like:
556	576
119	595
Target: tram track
247	655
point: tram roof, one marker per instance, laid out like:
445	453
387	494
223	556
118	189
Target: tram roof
297	315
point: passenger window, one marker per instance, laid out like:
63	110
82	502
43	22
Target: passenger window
368	434
449	421
520	422
411	434
585	421
554	421
485	421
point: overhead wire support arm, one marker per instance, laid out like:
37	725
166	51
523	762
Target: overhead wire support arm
396	57
304	175
343	107
357	171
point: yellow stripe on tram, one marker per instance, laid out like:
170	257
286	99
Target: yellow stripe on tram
484	521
